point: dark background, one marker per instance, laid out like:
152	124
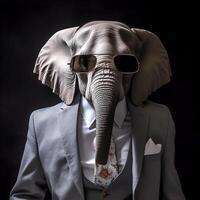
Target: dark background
27	25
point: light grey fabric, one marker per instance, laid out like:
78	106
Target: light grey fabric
51	155
119	189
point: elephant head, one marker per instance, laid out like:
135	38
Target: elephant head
101	59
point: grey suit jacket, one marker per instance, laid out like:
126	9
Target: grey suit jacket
51	158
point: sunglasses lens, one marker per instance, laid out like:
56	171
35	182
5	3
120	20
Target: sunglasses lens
126	63
83	63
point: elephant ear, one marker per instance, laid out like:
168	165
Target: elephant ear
52	65
154	70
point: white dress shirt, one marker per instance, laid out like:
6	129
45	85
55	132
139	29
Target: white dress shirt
87	134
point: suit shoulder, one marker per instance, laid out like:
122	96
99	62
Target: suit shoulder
46	114
156	109
159	116
50	109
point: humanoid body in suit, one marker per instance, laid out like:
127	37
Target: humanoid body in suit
105	140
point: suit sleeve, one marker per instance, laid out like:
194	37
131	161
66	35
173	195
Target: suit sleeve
30	184
171	187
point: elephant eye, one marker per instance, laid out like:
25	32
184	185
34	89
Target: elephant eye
83	63
126	63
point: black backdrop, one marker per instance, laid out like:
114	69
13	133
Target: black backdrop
27	25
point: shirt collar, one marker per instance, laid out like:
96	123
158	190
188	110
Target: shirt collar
88	112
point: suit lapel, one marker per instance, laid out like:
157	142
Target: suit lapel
68	129
140	121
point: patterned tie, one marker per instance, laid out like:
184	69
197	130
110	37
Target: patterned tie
105	174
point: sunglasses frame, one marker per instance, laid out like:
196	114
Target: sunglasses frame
113	57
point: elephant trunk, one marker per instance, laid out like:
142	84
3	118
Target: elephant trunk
105	95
